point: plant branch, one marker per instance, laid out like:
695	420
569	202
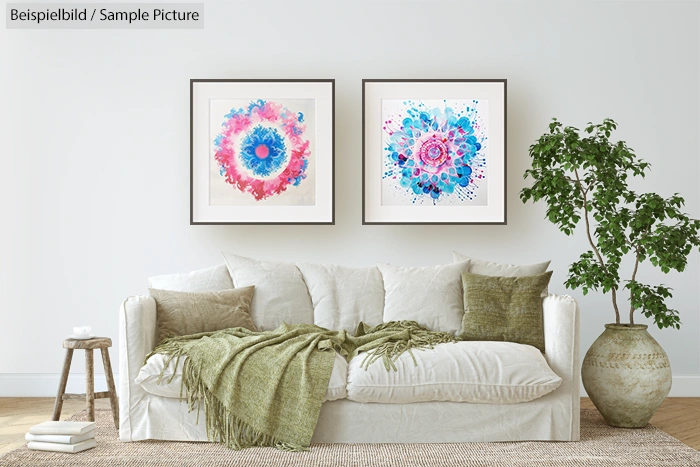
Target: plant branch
593	245
580	185
634	275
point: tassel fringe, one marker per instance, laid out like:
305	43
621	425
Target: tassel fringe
418	338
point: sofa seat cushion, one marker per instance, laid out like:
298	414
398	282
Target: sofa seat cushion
479	372
150	372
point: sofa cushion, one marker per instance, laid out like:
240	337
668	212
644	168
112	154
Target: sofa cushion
280	292
504	308
211	279
150	373
490	268
183	313
432	296
343	296
479	372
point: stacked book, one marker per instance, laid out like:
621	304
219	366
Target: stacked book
62	436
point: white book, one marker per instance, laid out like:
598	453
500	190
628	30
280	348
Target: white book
62	428
72	448
60	439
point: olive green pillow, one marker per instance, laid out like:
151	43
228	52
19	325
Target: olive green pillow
504	308
183	313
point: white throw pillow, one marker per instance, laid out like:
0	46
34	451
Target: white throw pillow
212	279
150	373
343	296
474	371
431	296
489	268
280	292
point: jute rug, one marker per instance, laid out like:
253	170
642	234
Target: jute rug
600	445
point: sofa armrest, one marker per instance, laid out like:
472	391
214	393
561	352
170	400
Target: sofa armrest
137	337
561	343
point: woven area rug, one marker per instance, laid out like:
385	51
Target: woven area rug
600	445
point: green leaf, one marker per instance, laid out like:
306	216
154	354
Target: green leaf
583	175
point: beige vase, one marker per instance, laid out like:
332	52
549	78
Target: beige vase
627	375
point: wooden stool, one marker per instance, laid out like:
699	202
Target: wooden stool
102	343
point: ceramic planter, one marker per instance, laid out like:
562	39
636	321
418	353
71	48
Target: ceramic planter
627	375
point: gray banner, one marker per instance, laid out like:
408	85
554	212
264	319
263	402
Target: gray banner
105	16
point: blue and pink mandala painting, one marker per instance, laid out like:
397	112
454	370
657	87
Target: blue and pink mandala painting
434	152
262	149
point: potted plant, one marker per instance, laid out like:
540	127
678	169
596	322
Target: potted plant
583	176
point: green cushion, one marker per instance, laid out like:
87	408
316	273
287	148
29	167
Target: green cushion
504	308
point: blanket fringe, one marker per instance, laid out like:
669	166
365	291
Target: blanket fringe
418	338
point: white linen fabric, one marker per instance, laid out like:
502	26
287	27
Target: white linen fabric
431	296
346	421
171	381
553	417
212	279
150	373
343	296
280	292
477	372
490	268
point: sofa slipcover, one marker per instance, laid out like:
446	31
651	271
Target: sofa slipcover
552	417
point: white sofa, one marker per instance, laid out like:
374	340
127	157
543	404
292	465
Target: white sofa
404	410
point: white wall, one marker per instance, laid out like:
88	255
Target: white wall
94	135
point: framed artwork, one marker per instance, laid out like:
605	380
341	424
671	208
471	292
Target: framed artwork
262	151
434	151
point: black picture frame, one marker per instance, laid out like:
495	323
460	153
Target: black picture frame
325	147
372	147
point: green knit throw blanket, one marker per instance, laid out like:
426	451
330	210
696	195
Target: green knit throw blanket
266	388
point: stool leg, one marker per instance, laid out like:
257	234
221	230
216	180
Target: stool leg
58	405
90	385
110	386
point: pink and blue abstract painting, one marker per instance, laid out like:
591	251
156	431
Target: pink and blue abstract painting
434	152
262	151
